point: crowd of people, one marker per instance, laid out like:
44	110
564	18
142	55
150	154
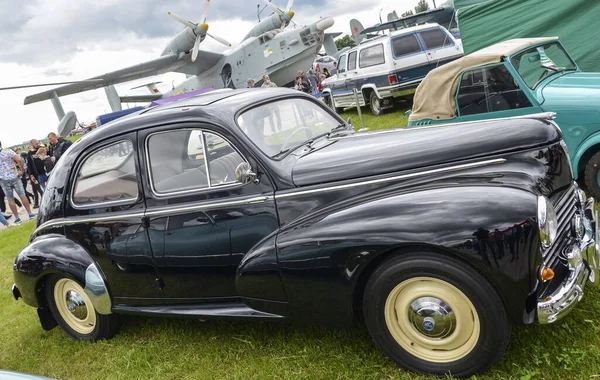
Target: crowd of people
310	82
34	166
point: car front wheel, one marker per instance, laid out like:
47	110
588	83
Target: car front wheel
74	312
432	314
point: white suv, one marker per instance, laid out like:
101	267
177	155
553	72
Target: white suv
325	61
389	66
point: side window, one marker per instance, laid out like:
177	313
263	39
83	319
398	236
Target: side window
222	160
489	89
405	45
174	170
352	61
342	64
371	56
107	175
435	39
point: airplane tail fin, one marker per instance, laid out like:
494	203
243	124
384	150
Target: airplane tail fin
113	98
329	44
355	28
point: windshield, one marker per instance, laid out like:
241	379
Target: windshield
537	63
283	125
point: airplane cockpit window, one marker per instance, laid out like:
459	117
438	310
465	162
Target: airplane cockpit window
278	127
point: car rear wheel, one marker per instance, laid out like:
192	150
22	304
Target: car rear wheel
592	175
375	104
74	312
432	314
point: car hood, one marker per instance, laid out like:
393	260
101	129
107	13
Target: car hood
369	154
577	86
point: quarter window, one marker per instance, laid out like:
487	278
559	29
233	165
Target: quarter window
371	56
435	39
405	45
208	160
352	61
489	89
107	176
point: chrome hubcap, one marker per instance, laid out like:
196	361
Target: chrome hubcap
432	317
376	104
76	305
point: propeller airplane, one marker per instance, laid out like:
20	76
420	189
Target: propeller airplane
270	47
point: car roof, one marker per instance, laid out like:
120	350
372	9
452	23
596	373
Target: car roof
434	97
215	105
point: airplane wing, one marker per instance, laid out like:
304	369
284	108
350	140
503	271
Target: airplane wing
165	64
157	66
205	61
139	98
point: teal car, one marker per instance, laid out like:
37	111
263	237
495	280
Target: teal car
514	78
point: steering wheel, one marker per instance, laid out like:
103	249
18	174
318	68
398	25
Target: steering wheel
287	141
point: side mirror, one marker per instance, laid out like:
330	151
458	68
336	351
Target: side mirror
244	173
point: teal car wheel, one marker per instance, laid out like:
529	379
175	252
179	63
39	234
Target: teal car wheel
592	175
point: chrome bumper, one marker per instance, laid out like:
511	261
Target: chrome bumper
583	262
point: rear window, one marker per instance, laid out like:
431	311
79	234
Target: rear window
371	56
405	45
435	38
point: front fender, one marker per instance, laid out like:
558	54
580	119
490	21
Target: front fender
53	253
323	256
581	152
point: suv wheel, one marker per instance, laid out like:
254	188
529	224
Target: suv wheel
592	175
375	103
433	314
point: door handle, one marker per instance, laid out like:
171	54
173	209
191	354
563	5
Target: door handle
170	232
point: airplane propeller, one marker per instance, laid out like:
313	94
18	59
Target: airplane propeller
200	30
285	16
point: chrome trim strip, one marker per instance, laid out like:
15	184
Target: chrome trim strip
169	211
208	206
388	179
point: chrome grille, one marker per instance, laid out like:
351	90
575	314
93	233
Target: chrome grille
565	212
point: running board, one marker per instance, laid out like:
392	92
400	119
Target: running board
215	310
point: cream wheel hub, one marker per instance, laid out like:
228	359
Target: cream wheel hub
432	319
74	306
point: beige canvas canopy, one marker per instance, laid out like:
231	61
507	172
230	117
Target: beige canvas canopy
435	96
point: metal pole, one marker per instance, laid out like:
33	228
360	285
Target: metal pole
434	4
362	124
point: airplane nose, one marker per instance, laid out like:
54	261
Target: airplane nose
324	23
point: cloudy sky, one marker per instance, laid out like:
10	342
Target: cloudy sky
45	41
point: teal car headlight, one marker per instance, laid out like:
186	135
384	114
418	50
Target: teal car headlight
547	222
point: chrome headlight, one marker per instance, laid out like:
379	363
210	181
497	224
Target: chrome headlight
547	221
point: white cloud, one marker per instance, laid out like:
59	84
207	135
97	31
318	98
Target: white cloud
62	40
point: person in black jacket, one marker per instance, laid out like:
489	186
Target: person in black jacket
36	172
58	146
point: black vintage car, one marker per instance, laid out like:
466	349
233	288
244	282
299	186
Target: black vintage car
262	203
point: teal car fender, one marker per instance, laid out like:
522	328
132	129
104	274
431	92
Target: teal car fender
583	153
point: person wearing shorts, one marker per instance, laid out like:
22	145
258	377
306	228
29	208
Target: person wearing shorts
11	183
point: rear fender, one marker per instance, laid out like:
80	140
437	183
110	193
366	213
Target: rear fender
54	254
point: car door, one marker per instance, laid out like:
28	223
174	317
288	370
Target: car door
439	46
202	220
337	82
107	204
410	60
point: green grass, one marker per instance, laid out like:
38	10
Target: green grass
176	348
395	118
